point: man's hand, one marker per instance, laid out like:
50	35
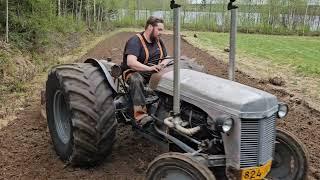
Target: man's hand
165	62
134	64
156	68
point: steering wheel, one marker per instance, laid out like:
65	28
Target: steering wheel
168	57
160	59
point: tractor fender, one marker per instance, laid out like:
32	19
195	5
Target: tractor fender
105	71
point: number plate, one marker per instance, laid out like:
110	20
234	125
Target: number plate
256	172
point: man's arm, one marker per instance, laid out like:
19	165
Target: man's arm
165	62
133	63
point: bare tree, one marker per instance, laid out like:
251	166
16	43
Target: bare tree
94	11
203	4
65	12
7	21
73	7
59	7
79	12
98	17
88	13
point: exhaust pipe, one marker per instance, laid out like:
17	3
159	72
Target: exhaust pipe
172	123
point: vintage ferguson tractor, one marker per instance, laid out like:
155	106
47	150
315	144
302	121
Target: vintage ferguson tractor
214	128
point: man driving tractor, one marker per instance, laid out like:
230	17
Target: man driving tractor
142	57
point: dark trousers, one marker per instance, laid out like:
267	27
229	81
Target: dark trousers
136	82
137	93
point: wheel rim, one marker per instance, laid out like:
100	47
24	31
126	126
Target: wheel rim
173	173
61	117
285	164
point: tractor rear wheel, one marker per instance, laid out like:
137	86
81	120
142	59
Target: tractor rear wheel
80	113
290	158
172	166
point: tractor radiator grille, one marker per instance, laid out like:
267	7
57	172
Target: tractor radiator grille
257	141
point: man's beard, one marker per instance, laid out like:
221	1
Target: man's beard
152	37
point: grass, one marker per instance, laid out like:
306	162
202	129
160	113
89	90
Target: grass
300	53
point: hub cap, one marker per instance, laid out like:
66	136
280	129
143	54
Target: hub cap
61	117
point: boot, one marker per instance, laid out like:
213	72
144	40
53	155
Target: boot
141	116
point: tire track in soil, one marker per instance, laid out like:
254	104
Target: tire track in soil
26	151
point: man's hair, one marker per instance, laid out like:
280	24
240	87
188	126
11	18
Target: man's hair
153	21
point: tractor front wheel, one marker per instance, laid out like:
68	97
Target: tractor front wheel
172	166
290	158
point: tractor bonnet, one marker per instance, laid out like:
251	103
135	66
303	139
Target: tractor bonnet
208	91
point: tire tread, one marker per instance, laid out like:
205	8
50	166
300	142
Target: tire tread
90	97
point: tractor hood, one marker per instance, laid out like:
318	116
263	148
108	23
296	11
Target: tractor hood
213	93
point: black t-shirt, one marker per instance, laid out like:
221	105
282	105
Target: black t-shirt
135	47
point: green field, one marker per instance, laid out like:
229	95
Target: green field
302	54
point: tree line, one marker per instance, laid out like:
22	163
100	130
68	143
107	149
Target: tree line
255	16
260	16
33	17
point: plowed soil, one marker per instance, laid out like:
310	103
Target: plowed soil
26	151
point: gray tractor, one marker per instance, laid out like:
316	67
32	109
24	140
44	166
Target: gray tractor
223	129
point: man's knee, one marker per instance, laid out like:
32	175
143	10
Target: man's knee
135	78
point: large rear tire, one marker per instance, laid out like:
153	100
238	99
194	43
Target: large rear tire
173	166
290	158
80	113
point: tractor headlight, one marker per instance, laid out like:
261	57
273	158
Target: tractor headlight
224	124
282	110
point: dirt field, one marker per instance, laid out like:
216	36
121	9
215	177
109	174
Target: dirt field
26	151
